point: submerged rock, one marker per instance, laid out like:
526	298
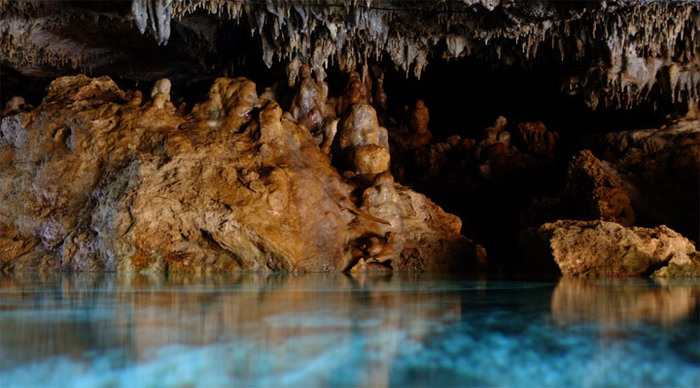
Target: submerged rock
96	178
602	248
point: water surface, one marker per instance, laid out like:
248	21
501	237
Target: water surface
91	330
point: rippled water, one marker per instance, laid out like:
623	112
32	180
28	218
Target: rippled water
88	330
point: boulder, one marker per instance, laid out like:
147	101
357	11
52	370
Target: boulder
593	191
602	248
660	167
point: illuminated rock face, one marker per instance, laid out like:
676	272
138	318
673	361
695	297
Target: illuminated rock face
601	248
297	173
97	178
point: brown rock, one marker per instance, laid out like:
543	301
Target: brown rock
357	91
371	160
309	102
538	139
595	185
680	266
358	129
661	167
601	248
593	192
96	178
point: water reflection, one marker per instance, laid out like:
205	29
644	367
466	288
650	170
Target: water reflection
101	329
615	301
133	317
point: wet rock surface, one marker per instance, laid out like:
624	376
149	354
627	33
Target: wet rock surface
97	178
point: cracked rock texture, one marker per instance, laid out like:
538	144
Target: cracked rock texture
681	266
602	248
98	178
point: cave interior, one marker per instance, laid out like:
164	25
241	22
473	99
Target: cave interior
567	64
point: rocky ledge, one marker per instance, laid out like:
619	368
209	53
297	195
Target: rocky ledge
99	178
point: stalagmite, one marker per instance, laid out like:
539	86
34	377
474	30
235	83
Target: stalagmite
250	119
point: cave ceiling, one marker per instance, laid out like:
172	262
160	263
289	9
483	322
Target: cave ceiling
613	53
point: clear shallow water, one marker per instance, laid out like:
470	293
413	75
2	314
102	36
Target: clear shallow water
89	330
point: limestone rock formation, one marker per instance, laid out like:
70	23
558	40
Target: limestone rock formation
622	50
309	169
660	169
680	266
593	192
602	248
98	178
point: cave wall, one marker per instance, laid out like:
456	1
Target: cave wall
515	90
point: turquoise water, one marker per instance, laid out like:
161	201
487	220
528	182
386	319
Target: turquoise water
111	330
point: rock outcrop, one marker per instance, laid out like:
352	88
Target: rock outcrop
602	248
97	178
593	192
661	170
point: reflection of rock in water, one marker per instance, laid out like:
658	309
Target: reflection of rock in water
622	300
299	319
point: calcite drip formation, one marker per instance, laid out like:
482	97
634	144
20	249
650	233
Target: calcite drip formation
617	52
106	179
97	178
297	178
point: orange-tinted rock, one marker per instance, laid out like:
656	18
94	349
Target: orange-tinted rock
601	248
358	90
413	132
595	185
371	160
357	129
379	99
309	103
680	267
97	178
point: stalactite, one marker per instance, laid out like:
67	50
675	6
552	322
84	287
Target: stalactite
640	43
630	46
